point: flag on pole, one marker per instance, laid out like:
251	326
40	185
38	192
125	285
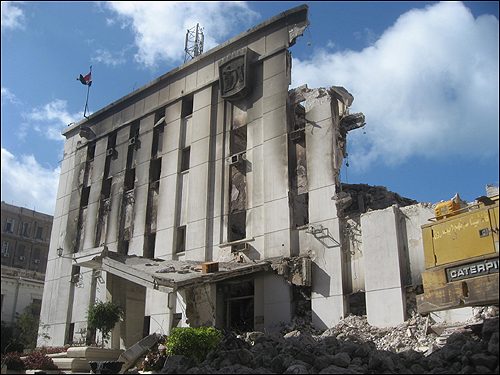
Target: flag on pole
87	80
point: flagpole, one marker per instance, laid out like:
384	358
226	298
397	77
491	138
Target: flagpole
87	101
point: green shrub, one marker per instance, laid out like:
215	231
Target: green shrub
193	341
104	316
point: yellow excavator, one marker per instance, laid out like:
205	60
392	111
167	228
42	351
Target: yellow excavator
461	256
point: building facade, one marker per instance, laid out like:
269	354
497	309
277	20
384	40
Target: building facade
211	196
25	247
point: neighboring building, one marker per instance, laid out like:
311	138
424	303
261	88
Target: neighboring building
217	162
25	247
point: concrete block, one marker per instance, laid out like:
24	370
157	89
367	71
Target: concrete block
164	243
128	113
321	206
207	71
196	236
276	171
191	76
151	101
197	193
173	112
200	127
274	124
166	202
164	95
139	108
255	105
381	249
453	316
274	65
155	301
276	215
377	301
169	163
277	244
328	311
255	133
275	101
199	152
177	86
275	38
202	99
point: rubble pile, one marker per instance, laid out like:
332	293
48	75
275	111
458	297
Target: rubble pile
351	347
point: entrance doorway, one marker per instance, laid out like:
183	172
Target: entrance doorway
238	305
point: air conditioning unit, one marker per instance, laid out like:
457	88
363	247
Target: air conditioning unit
5	255
236	158
110	151
37	261
22	258
132	141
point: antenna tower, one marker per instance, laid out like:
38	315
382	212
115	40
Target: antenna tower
194	42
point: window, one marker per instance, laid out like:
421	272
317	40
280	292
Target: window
5	249
187	106
36	255
186	154
24	230
181	239
21	252
9	225
39	230
129	179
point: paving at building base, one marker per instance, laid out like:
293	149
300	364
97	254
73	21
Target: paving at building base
418	346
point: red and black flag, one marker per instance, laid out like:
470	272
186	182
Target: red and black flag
87	80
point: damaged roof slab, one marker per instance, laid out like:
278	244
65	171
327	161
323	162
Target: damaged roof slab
172	275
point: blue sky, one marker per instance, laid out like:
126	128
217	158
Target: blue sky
425	75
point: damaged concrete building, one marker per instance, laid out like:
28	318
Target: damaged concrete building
211	196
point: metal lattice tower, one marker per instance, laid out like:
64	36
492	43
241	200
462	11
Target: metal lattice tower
194	42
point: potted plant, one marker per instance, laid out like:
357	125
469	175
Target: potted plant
103	316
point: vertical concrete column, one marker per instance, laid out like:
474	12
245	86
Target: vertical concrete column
383	286
143	158
95	191
275	157
327	297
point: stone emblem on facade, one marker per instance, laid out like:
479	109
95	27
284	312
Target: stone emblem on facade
233	75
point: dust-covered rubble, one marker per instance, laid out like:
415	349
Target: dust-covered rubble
355	347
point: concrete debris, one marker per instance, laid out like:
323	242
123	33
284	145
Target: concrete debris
367	198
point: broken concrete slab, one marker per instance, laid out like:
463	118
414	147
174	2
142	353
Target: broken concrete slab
132	354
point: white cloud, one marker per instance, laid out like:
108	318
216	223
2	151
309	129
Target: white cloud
429	86
12	16
8	96
103	55
51	119
160	27
27	183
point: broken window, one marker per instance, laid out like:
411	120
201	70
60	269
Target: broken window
5	248
110	153
9	226
145	326
85	197
129	179
157	141
238	299
181	239
69	334
154	170
39	232
185	156
237	226
123	247
187	106
149	245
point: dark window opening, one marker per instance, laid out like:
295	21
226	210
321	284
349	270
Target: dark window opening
155	170
181	239
238	306
301	209
186	154
146	325
157	140
39	232
9	226
129	179
91	152
84	202
149	245
106	188
123	246
24	230
237	226
134	129
187	106
21	252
